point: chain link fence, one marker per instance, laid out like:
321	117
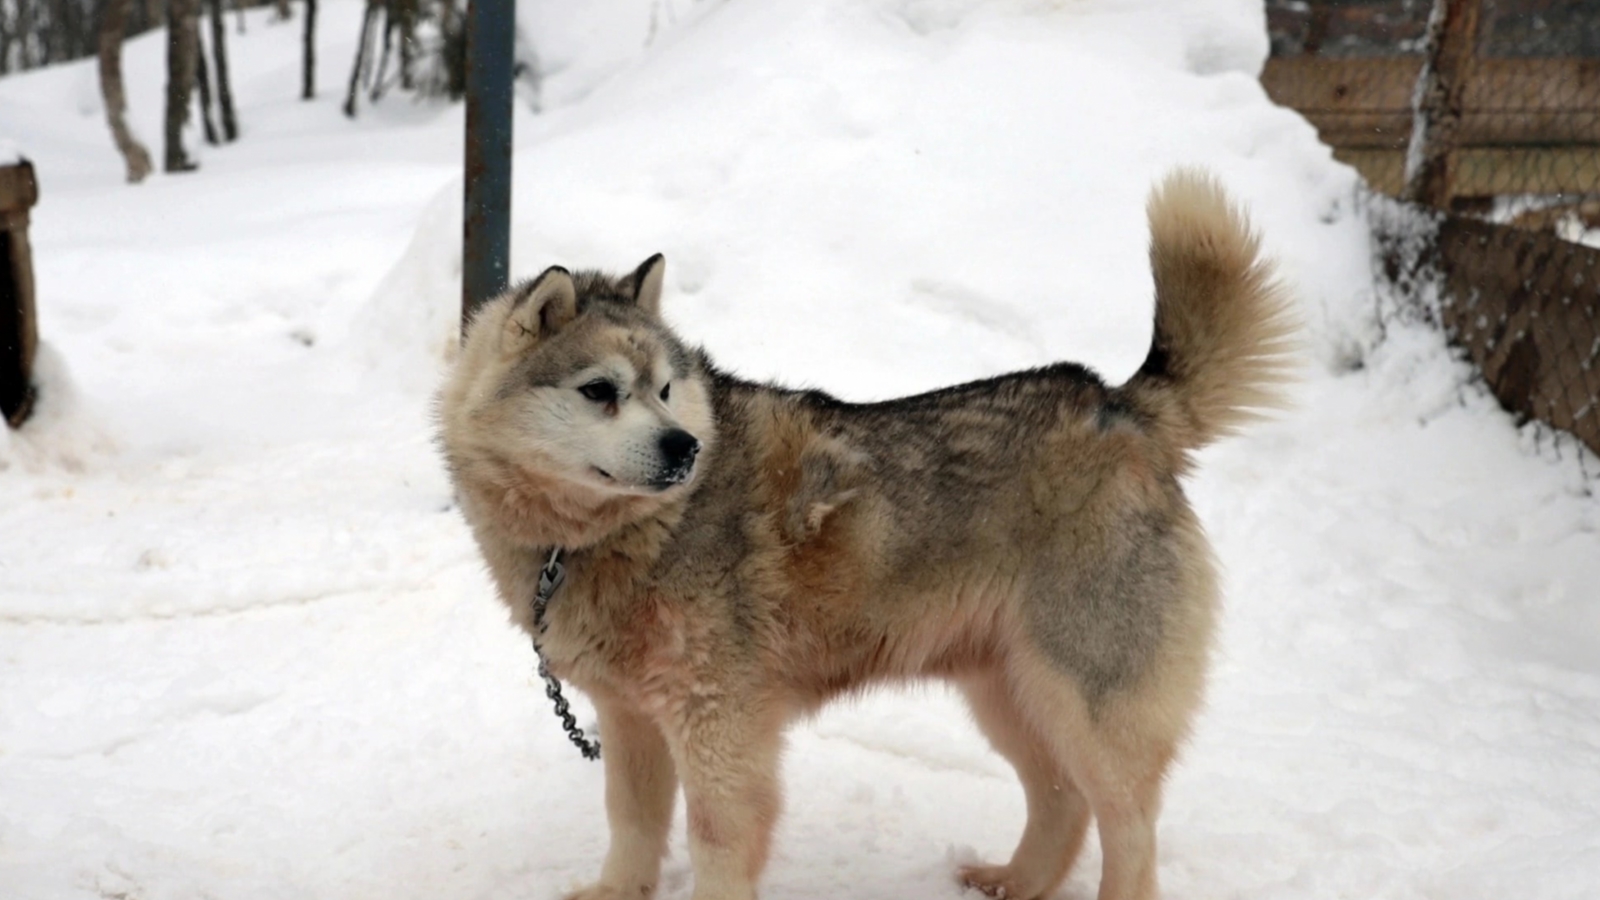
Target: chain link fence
1506	256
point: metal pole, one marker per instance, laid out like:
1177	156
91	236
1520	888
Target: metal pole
486	246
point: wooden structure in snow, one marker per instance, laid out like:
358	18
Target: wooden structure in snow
1530	101
19	336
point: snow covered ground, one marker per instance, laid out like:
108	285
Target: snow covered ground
246	648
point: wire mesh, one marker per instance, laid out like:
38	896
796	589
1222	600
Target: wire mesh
1529	151
1511	263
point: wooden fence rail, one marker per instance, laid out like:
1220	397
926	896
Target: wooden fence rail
1530	126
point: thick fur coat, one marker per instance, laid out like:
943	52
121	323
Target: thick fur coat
739	553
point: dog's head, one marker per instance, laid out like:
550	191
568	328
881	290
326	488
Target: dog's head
572	383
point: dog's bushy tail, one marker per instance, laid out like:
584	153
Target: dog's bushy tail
1223	343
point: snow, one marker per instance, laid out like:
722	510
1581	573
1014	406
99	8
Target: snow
247	649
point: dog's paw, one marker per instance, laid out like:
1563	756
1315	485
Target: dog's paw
999	882
612	892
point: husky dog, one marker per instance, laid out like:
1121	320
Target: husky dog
739	553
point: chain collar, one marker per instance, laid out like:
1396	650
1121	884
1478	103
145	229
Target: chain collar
551	578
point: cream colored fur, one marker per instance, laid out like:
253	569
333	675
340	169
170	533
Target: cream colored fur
1025	537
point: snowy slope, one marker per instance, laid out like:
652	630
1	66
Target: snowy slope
247	651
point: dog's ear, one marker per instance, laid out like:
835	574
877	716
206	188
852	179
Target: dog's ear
647	284
541	307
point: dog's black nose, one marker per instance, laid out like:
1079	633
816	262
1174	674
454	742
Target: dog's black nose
679	448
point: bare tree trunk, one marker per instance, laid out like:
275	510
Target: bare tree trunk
151	14
54	37
408	42
374	8
282	6
453	47
1437	102
308	53
219	55
51	34
238	9
70	28
389	23
26	58
77	28
203	81
113	18
5	39
183	35
68	24
363	50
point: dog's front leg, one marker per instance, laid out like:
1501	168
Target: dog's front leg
641	785
727	755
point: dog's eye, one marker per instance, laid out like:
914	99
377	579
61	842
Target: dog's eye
600	391
666	391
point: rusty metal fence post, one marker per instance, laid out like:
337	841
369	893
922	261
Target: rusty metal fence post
486	246
19	335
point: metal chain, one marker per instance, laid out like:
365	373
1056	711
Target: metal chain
550	579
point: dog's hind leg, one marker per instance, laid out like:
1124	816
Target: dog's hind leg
1058	814
727	754
641	786
1126	796
1117	755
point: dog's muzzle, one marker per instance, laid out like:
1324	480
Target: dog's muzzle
678	451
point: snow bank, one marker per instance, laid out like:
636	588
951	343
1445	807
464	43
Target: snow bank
928	161
411	327
63	433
